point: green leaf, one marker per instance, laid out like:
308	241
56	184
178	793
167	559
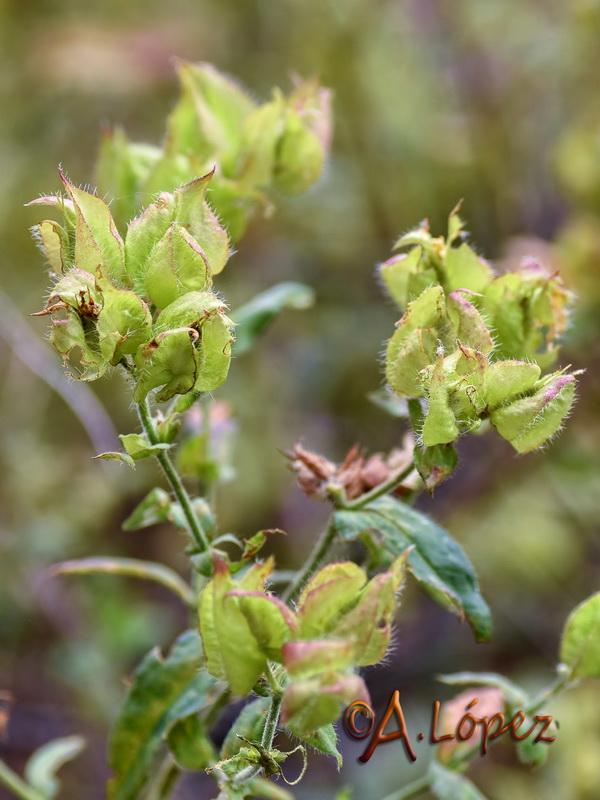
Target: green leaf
190	744
324	740
137	446
436	560
256	316
249	724
115	455
153	509
40	770
449	785
580	644
133	567
164	690
465	270
394	405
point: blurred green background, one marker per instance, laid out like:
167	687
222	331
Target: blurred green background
497	103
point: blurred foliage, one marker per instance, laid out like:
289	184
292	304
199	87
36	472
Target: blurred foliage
433	101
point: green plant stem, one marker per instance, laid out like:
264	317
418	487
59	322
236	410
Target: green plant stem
387	486
318	554
195	529
17	785
267	738
270	728
412	790
562	681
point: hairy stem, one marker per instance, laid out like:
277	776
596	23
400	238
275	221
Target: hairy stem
266	741
194	526
318	554
17	785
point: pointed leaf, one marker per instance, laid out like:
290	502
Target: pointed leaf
435	560
324	740
465	270
153	509
580	644
133	567
256	316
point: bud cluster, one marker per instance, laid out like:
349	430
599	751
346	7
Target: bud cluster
280	144
144	301
341	621
473	345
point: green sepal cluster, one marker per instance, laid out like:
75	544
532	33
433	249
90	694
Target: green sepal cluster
280	144
145	300
472	345
341	621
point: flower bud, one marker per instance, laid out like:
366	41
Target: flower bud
305	140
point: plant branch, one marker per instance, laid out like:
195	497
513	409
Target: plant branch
383	488
318	554
194	526
17	785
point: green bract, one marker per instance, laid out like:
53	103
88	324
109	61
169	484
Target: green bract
472	345
107	300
